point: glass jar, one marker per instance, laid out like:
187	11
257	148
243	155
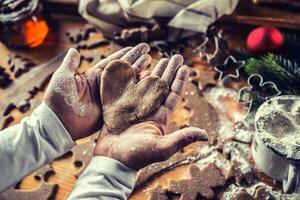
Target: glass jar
22	23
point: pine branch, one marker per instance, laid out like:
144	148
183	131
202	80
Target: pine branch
281	70
290	65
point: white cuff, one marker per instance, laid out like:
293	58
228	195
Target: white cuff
113	168
105	179
36	141
54	128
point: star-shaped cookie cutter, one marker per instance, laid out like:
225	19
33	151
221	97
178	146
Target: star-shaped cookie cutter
256	93
221	69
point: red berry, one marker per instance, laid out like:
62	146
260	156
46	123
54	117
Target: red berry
264	39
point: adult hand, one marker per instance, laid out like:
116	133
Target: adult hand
146	142
74	96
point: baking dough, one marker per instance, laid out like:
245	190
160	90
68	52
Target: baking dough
124	99
200	183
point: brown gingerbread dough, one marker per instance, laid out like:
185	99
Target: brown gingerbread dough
124	99
204	115
200	183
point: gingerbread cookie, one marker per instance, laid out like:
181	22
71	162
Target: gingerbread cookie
200	183
241	168
155	169
211	155
124	99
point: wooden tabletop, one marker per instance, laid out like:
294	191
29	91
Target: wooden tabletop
65	170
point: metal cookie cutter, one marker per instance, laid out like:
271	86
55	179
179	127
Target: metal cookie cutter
167	49
230	68
212	44
256	93
203	48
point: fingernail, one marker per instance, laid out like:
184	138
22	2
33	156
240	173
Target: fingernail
72	59
177	59
200	133
144	47
183	72
204	137
73	52
185	67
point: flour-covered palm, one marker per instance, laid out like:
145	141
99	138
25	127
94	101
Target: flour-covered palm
74	96
126	100
145	142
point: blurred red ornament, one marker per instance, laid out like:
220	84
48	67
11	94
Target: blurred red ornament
264	39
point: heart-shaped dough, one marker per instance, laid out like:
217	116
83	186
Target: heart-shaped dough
124	99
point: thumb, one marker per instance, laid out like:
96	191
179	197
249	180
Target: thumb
172	143
71	61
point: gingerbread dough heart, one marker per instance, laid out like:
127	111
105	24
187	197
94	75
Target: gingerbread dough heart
124	99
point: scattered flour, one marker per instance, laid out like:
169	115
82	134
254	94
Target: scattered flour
233	190
218	159
241	159
65	86
238	153
242	133
225	130
216	94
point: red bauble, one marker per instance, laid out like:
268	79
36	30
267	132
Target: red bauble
264	39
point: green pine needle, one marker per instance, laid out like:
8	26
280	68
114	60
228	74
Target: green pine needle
290	65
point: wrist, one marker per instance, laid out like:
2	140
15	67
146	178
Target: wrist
52	125
104	144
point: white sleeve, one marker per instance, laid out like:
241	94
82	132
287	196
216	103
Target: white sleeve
104	179
36	141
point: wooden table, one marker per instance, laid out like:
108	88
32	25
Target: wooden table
65	170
